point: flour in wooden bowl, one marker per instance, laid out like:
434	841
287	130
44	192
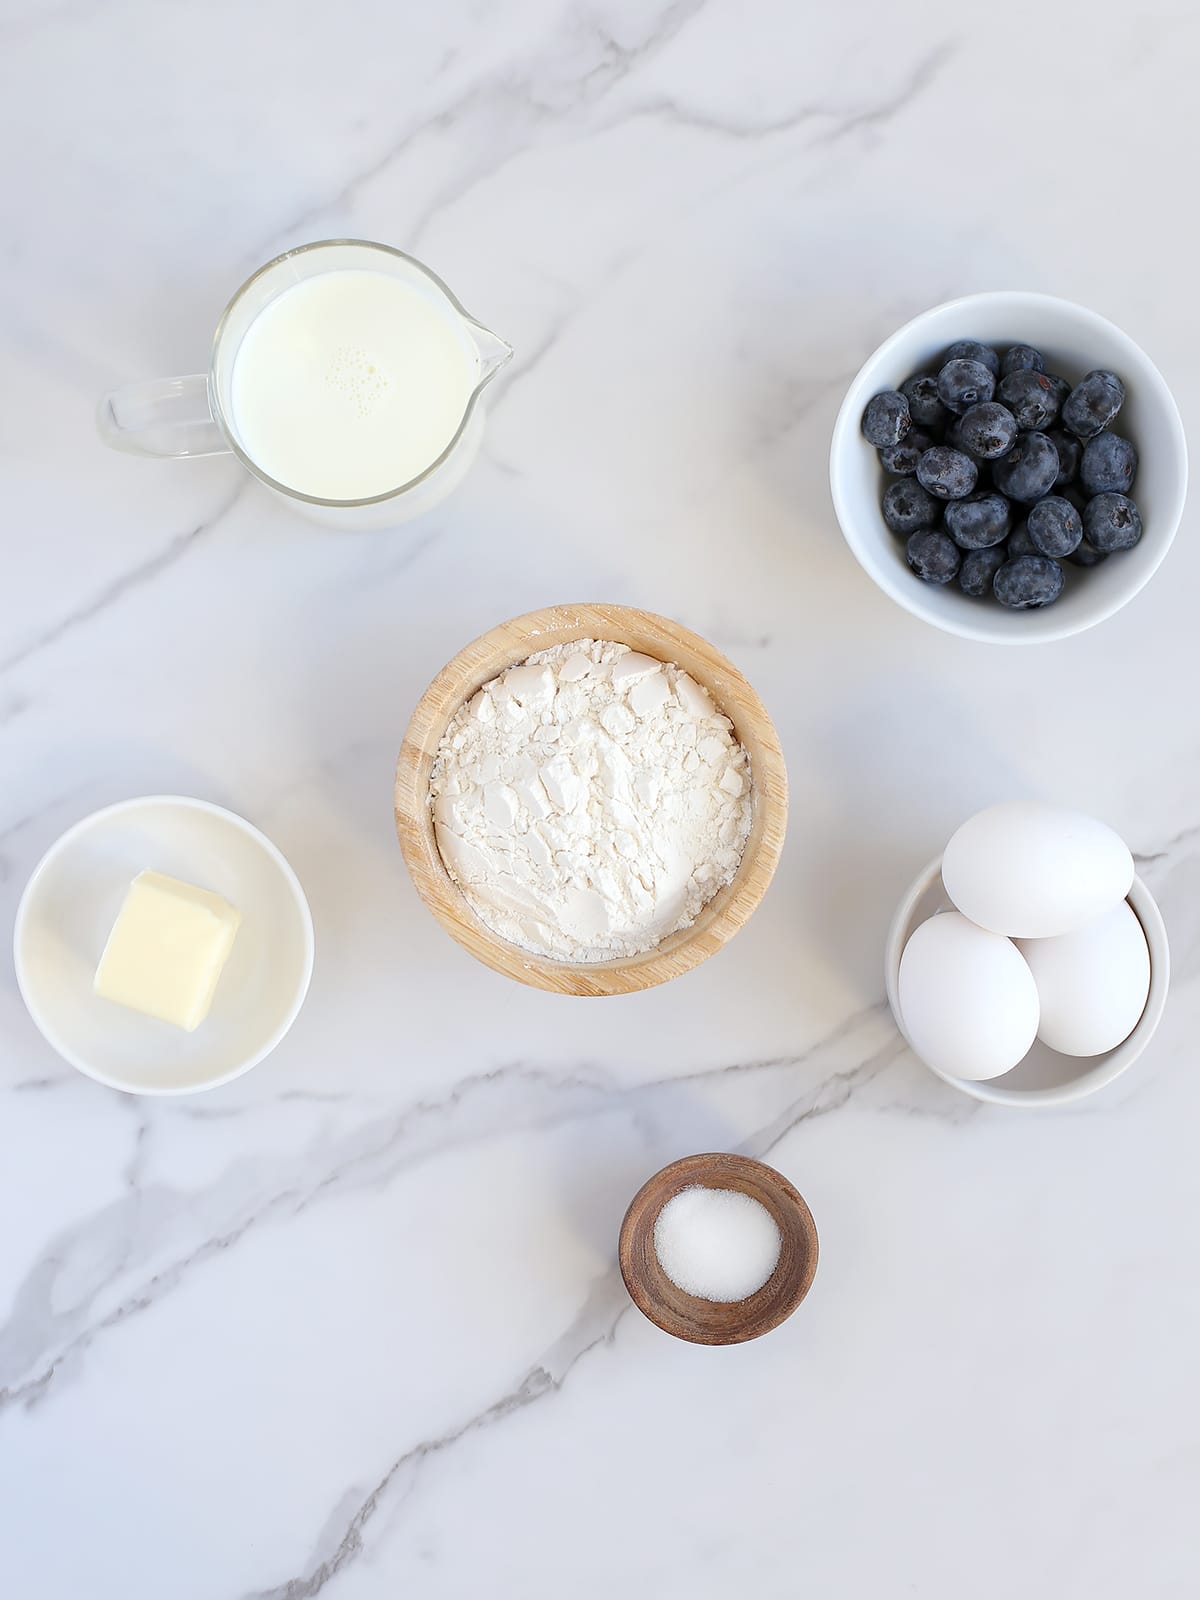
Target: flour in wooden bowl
590	801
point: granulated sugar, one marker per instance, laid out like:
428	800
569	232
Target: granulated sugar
716	1244
590	801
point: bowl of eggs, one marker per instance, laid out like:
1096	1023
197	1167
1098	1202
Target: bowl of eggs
1029	965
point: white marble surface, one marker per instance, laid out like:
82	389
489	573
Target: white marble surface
351	1326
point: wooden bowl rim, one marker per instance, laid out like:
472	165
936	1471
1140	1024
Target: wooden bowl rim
720	1323
481	660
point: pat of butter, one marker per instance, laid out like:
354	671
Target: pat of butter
167	949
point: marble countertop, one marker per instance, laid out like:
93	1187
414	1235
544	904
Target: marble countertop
351	1326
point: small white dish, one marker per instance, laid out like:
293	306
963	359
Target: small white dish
69	906
1043	1078
1074	341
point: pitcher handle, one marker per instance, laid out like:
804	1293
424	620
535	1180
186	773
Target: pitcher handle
161	417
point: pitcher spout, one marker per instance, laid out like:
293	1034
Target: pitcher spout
494	352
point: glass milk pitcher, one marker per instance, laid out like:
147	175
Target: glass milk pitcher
358	398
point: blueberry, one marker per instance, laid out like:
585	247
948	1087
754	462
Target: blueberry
1092	404
1111	522
1069	451
980	521
978	569
1021	358
983	469
1055	527
1109	464
1061	388
907	507
963	383
1020	544
1085	554
954	436
986	430
1029	469
947	473
1031	398
1027	582
933	556
972	350
901	459
886	419
921	392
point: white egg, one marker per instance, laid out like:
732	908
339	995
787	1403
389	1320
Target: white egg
967	998
1092	983
1033	871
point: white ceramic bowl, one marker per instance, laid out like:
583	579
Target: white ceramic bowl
1044	1078
69	906
1074	341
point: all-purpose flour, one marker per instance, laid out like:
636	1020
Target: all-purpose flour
590	801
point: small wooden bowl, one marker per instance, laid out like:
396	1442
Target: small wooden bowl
708	1321
515	641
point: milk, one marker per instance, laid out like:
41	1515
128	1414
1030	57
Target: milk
349	384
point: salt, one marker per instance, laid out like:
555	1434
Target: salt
716	1244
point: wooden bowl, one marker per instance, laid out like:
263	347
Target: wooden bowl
708	1321
515	641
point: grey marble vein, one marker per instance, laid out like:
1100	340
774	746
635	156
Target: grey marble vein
135	1166
698	211
512	98
131	579
112	1236
14	706
529	361
741	129
878	115
1184	837
45	808
51	1327
830	1095
840	125
48	1334
613	64
13	829
40	1084
835	123
556	326
592	1328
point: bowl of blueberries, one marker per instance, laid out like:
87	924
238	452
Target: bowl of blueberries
1010	467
